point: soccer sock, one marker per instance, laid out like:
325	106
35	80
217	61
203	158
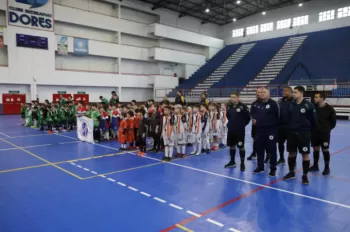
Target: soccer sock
232	155
166	151
208	143
242	155
199	147
194	147
306	165
291	163
171	150
281	150
178	149
316	157
327	158
183	149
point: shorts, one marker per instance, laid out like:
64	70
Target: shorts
299	141
236	139
197	138
282	135
180	138
320	139
169	141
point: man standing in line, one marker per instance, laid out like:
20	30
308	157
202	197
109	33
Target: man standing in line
284	104
253	132
114	99
266	117
302	119
320	137
238	118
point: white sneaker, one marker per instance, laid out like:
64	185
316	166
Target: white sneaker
198	153
193	152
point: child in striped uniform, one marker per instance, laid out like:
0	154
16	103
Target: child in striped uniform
104	123
189	119
216	126
168	134
180	131
115	122
205	121
223	129
196	125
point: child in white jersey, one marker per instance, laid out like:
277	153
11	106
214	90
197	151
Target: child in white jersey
205	121
223	129
196	129
216	126
180	126
168	134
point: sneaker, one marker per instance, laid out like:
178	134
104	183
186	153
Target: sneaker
193	152
215	148
183	156
203	150
281	162
272	173
198	153
258	170
252	156
208	151
326	171
169	159
242	167
164	158
231	164
178	155
267	158
314	168
289	176
221	145
305	179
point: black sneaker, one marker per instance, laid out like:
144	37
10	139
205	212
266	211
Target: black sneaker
326	171
289	176
252	157
208	151
152	150
258	170
164	158
267	159
281	162
203	150
305	179
183	156
169	159
272	173
230	165
242	167
314	168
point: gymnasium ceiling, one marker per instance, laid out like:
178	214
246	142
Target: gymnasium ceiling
221	11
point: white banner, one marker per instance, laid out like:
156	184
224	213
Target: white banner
35	14
85	130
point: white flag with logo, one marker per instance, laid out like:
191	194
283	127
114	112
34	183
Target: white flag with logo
85	129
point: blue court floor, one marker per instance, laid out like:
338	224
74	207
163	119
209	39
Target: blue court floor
52	183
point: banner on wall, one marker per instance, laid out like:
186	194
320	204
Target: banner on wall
2	37
81	46
62	45
34	14
85	130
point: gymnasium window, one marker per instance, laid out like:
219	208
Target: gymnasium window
252	30
299	21
285	23
344	12
266	27
237	32
326	15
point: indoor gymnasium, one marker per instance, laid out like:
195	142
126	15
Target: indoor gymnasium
165	115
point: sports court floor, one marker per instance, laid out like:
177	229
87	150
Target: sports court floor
56	183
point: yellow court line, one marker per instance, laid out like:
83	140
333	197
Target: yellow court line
44	160
24	168
183	228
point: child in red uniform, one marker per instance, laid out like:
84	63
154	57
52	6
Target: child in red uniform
131	135
136	126
122	132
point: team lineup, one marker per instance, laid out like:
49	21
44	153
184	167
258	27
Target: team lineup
292	119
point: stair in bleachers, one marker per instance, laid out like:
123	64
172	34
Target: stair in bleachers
274	67
222	70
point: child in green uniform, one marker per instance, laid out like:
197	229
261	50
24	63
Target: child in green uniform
64	117
89	110
28	115
39	122
72	118
95	115
23	111
49	119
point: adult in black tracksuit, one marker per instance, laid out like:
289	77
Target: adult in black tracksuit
266	117
284	104
253	132
320	136
302	119
238	118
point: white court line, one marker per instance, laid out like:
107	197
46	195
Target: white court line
5	135
146	194
215	222
88	170
133	189
234	230
94	172
176	206
252	183
110	179
122	184
15	148
158	199
69	142
193	214
79	166
103	176
73	164
35	135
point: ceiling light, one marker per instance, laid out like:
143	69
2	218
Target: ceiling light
263	13
238	2
207	10
234	20
300	5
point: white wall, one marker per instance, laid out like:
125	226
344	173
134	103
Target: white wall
166	68
139	67
138	16
86	63
23	89
190	69
2	18
133	40
176	56
137	94
181	46
210	52
312	8
3	56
